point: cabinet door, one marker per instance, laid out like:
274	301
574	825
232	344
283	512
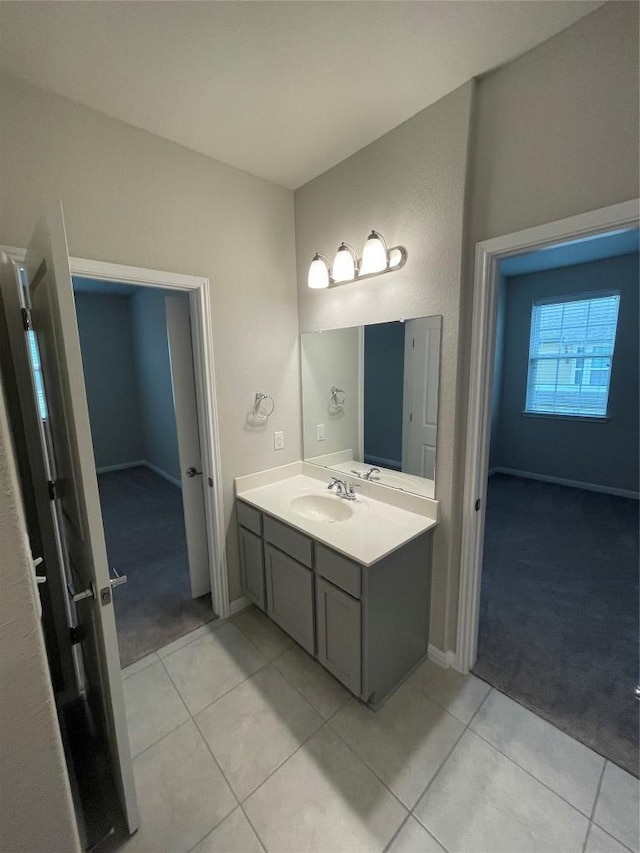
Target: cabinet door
339	632
290	596
252	566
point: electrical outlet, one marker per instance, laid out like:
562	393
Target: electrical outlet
278	440
319	432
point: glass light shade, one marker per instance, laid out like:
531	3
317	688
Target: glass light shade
374	255
318	273
344	264
395	258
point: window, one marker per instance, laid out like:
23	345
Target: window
570	354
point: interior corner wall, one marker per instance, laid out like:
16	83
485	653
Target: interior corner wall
108	360
131	197
153	371
36	809
410	186
595	452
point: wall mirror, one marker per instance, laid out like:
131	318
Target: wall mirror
370	400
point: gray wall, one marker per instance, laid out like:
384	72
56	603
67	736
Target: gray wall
552	134
133	198
152	362
600	453
108	358
36	811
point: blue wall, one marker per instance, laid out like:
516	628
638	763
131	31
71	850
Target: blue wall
154	381
383	392
106	339
603	453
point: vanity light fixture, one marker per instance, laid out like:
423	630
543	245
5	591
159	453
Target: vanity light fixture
319	274
347	267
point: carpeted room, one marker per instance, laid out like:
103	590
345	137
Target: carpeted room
559	615
128	379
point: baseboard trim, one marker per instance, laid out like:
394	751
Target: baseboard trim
443	659
238	604
162	474
573	484
106	469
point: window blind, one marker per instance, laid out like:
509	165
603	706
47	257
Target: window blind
570	354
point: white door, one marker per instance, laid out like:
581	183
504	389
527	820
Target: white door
191	474
420	406
49	294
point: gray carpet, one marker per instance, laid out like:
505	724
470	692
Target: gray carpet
559	609
144	529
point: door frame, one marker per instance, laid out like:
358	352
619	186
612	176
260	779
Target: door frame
201	312
488	255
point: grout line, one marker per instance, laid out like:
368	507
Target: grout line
397	832
255	831
595	799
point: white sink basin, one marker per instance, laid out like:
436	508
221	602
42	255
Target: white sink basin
321	508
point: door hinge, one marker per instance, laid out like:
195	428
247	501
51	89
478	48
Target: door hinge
413	343
52	489
77	634
477	505
26	319
410	417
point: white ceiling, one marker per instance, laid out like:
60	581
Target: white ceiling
284	90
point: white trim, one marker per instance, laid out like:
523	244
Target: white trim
173	480
199	290
573	484
238	604
481	357
122	466
442	659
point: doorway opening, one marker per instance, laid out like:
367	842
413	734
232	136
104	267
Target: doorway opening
139	377
550	588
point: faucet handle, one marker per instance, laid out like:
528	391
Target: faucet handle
333	482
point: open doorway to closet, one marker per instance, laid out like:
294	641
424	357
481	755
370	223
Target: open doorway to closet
558	621
139	377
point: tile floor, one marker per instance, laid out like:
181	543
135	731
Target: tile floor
242	743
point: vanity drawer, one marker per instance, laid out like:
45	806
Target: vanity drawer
339	570
249	517
295	544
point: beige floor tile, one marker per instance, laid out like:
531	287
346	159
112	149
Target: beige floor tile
319	688
600	841
414	838
233	835
324	800
139	665
181	793
262	632
210	666
563	764
203	631
482	801
617	806
460	695
154	707
404	743
255	727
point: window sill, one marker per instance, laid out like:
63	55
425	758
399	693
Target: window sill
554	416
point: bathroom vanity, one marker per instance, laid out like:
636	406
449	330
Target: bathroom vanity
347	580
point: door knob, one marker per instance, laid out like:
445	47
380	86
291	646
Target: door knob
191	472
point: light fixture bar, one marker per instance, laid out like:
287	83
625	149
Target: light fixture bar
347	260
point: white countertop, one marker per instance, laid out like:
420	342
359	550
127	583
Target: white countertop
377	527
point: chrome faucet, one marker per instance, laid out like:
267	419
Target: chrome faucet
367	474
343	490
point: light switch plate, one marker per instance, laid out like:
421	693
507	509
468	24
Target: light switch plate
319	432
278	440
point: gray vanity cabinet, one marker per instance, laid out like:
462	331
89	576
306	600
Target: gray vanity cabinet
252	567
339	634
290	596
368	625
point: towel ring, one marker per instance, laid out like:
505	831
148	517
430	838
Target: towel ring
257	406
337	399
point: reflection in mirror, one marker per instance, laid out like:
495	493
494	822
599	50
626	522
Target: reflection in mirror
370	401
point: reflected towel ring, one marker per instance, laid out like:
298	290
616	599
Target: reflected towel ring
257	406
337	399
